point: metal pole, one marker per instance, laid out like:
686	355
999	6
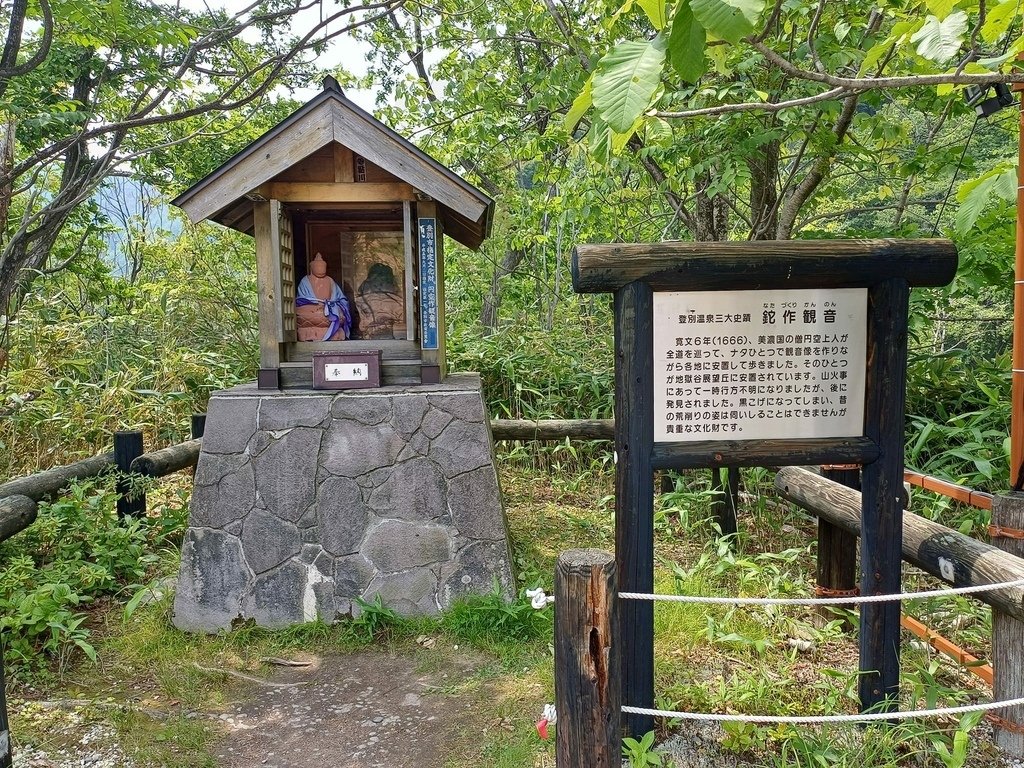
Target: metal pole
1017	388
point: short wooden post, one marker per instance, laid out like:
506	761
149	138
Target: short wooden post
127	448
1008	632
6	758
587	673
198	425
837	548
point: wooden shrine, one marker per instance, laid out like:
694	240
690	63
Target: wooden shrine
331	189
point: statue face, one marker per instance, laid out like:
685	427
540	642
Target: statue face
318	267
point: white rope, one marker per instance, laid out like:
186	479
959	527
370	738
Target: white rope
811	719
538	599
821	600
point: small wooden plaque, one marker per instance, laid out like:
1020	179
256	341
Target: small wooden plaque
346	370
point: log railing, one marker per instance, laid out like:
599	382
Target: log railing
19	503
954	558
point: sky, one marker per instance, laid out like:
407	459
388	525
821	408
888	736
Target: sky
346	51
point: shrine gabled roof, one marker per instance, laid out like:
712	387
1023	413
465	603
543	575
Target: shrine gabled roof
226	195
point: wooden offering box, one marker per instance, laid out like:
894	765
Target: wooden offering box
346	370
349	220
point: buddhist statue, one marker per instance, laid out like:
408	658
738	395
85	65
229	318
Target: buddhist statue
321	309
379	304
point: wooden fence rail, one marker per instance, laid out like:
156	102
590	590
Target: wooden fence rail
955	558
940	551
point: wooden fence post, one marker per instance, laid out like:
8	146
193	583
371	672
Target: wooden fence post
881	538
127	448
587	671
6	758
837	549
634	494
198	425
1008	632
726	501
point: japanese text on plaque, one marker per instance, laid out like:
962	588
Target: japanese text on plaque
755	365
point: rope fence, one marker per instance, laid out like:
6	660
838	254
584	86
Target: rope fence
866	717
819	601
589	690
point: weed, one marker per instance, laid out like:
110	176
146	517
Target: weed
491	620
641	753
76	552
376	621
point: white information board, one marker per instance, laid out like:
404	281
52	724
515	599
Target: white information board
756	365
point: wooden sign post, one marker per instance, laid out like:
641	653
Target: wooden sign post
761	354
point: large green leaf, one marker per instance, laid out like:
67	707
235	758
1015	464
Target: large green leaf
626	79
580	105
686	44
939	41
655	10
941	8
975	194
998	20
728	20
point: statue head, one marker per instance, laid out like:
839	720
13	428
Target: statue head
379	279
318	266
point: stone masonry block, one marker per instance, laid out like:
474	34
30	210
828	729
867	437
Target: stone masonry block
352	449
415	490
288	412
465	406
342	516
268	541
286	473
277	596
461	447
211	582
408	414
474	497
410	592
475	571
225	490
230	424
362	409
395	545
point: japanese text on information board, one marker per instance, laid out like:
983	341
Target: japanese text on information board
755	365
428	283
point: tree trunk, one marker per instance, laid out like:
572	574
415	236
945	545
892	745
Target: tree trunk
492	301
764	193
712	214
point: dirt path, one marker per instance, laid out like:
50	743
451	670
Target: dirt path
350	711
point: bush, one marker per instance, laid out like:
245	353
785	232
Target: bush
76	552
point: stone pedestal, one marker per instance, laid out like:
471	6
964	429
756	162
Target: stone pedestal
305	501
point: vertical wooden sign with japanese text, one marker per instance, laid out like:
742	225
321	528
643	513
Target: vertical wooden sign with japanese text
761	354
428	283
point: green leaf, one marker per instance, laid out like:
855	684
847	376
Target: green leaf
655	10
728	20
841	30
998	20
975	194
580	105
939	41
899	31
941	8
626	80
686	44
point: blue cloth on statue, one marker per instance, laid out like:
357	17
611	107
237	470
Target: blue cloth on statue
335	309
